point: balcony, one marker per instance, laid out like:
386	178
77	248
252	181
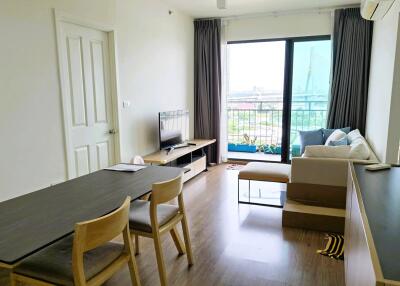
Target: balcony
261	123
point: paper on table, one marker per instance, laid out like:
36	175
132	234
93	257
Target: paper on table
126	168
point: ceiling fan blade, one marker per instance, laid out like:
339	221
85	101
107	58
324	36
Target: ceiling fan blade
221	4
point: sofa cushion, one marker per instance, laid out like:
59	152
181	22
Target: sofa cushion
354	135
312	137
272	172
359	150
323	151
359	147
335	136
340	142
327	132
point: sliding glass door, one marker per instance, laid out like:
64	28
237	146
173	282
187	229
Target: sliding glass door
255	99
275	89
309	88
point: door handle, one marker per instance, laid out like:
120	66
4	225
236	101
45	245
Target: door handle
112	131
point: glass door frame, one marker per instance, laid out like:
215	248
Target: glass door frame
287	91
287	85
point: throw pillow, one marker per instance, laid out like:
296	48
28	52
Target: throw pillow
327	132
354	135
312	137
339	142
359	146
359	149
342	152
335	136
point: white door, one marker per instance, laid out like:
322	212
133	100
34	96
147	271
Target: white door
87	102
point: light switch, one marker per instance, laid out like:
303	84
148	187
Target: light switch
126	104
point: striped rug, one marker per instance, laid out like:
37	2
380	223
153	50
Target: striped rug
334	247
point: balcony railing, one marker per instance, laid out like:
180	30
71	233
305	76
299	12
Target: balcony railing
263	119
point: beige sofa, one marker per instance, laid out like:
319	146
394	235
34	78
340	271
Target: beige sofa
324	171
316	193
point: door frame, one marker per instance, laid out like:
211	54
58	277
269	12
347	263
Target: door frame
63	17
287	84
287	94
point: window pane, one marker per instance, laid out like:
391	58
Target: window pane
256	70
255	97
310	88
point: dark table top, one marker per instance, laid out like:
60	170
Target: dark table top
380	193
33	221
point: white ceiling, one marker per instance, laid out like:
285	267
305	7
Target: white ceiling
208	8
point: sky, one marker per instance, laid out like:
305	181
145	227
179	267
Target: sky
261	66
256	64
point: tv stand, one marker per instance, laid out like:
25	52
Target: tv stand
172	148
192	157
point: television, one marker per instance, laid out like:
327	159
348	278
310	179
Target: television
173	128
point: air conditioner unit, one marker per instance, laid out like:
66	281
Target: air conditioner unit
375	9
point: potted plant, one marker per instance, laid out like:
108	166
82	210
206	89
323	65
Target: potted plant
268	149
296	150
278	149
272	149
248	145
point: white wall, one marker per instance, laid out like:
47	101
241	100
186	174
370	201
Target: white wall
281	26
32	144
155	54
383	116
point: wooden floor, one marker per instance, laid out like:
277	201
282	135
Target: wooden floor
237	245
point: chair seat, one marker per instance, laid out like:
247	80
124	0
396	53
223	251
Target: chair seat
271	172
139	216
54	263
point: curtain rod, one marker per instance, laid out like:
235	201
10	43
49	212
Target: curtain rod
281	13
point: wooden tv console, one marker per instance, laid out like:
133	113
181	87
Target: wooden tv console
192	157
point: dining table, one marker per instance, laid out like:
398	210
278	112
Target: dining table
31	222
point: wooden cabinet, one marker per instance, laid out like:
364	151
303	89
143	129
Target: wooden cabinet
358	261
192	158
196	167
362	261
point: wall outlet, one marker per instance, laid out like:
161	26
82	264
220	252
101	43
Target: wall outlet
126	104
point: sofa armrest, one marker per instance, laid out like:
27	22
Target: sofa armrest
319	171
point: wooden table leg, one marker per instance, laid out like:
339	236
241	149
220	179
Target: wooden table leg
5	271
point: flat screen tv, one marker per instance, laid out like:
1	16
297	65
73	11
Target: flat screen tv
173	128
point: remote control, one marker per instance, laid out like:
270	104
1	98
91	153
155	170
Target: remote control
378	167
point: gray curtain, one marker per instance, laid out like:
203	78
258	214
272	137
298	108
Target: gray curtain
352	38
207	83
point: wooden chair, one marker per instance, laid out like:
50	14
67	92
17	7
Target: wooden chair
138	160
87	258
154	218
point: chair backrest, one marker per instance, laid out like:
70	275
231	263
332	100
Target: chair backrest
138	160
163	192
94	233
